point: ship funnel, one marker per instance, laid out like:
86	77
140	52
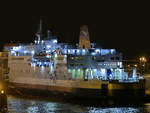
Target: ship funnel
84	41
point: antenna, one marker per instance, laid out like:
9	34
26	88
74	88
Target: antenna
40	26
49	34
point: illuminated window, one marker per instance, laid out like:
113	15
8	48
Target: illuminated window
102	58
54	41
71	58
76	58
68	51
83	50
97	50
48	46
81	58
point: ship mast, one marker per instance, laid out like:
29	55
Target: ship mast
39	32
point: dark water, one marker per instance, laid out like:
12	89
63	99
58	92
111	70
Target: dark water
35	105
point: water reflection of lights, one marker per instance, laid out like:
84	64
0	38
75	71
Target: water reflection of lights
16	105
32	109
114	110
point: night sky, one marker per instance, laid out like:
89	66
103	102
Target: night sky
123	26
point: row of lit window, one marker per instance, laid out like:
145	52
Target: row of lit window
81	58
76	58
76	64
107	64
94	58
98	60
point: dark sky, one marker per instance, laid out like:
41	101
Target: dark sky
124	26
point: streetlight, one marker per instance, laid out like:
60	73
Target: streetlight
143	60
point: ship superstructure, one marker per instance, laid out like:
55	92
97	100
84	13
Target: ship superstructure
50	65
82	60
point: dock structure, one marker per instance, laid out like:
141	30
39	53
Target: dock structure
3	64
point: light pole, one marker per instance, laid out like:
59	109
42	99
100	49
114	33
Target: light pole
143	60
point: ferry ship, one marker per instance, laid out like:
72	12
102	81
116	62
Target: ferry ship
82	70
